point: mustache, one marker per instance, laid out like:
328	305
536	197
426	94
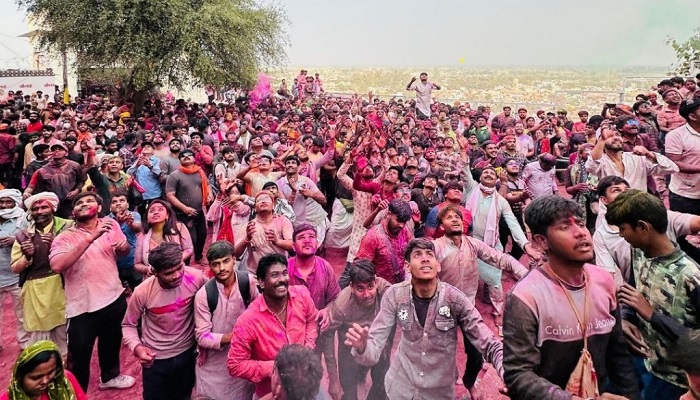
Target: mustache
285	284
581	244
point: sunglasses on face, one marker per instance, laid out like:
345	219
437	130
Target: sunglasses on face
632	122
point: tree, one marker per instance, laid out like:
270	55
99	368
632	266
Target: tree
686	52
151	43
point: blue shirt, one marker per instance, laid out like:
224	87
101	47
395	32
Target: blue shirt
127	261
9	228
148	178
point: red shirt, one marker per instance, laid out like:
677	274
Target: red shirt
385	252
7	147
35	127
259	335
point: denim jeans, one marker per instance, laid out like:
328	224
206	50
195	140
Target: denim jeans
654	388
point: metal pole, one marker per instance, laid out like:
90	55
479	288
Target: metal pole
64	60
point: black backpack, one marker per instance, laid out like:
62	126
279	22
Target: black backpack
213	293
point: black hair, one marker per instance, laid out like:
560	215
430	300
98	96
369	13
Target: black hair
170	227
228	149
130	138
121	193
452	186
396	168
428	176
219	249
419	243
39	148
678	79
545	211
193	134
400	209
302	228
486	143
146	144
267	261
269	185
634	206
165	256
621	121
362	271
317	141
445	210
635	106
38	359
292	157
80	195
300	372
596	120
507	160
607	181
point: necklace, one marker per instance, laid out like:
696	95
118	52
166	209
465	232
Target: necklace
278	314
565	282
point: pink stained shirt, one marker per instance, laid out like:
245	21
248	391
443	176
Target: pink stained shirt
669	119
685	141
321	282
166	315
540	182
259	335
375	247
92	283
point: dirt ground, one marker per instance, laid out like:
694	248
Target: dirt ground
489	384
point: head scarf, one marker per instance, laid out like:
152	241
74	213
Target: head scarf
59	388
49	197
15	212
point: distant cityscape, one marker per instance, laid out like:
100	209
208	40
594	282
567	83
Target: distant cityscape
534	88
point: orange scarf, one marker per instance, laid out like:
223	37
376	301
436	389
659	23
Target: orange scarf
193	169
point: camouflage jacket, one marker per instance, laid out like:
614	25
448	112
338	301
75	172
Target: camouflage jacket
671	284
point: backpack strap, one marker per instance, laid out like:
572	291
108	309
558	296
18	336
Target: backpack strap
244	286
212	294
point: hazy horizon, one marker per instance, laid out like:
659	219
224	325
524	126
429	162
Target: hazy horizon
452	33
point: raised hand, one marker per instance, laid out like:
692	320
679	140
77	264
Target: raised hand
357	337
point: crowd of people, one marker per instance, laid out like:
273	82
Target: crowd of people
238	248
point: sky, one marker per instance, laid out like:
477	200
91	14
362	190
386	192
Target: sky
518	33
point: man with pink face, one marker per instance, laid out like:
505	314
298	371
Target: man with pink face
359	304
312	271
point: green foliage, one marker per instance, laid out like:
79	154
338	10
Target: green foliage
165	42
686	52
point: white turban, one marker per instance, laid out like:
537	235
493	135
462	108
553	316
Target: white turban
14	194
16	212
50	197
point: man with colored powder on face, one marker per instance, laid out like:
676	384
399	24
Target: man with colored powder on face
164	306
312	271
284	314
213	327
87	252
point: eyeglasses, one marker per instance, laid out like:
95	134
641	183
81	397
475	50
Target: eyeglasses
632	122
